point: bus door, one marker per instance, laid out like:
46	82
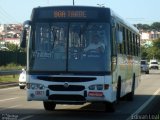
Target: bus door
114	52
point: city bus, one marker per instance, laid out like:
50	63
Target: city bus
61	71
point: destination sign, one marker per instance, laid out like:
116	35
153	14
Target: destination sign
69	14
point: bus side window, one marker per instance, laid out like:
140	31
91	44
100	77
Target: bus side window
124	41
114	47
114	43
127	42
131	43
134	45
138	45
120	40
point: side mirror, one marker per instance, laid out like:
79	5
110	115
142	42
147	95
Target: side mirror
23	39
119	37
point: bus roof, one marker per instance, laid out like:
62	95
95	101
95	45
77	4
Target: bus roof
92	13
124	22
71	13
69	6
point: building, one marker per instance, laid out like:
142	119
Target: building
149	36
10	33
1	28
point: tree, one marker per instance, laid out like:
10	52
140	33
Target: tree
155	26
13	47
145	27
144	52
151	51
156	45
139	26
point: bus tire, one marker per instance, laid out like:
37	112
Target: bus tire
21	87
118	95
130	96
147	72
49	106
109	107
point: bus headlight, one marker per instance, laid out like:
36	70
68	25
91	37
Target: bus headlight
96	87
99	87
35	86
92	87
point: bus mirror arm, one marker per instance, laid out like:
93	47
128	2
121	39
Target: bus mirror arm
23	38
27	23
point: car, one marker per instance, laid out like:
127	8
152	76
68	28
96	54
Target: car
153	64
22	79
144	66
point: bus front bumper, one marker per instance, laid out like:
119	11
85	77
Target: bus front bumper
65	97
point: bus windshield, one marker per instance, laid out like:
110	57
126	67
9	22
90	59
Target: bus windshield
70	47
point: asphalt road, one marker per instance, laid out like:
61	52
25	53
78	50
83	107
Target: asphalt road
13	105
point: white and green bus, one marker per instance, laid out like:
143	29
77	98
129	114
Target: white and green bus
61	71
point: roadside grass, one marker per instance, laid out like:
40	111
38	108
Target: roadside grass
8	78
11	66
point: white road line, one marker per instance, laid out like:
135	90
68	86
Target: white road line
8	99
26	117
144	105
10	107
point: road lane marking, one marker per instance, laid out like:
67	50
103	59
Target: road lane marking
26	117
9	107
144	105
8	99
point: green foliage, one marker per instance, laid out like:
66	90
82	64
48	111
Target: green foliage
156	45
156	26
13	47
9	78
146	27
11	66
152	51
144	52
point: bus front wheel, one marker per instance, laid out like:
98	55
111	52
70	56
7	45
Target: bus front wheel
49	106
118	95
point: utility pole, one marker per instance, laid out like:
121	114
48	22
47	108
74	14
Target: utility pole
73	2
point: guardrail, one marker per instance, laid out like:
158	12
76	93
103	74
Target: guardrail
5	85
10	72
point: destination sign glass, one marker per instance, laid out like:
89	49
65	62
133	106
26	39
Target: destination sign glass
67	14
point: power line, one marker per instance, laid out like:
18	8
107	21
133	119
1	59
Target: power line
7	16
143	20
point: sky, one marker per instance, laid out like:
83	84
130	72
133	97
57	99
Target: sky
134	11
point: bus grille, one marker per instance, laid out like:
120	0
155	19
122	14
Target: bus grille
66	79
63	88
67	98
